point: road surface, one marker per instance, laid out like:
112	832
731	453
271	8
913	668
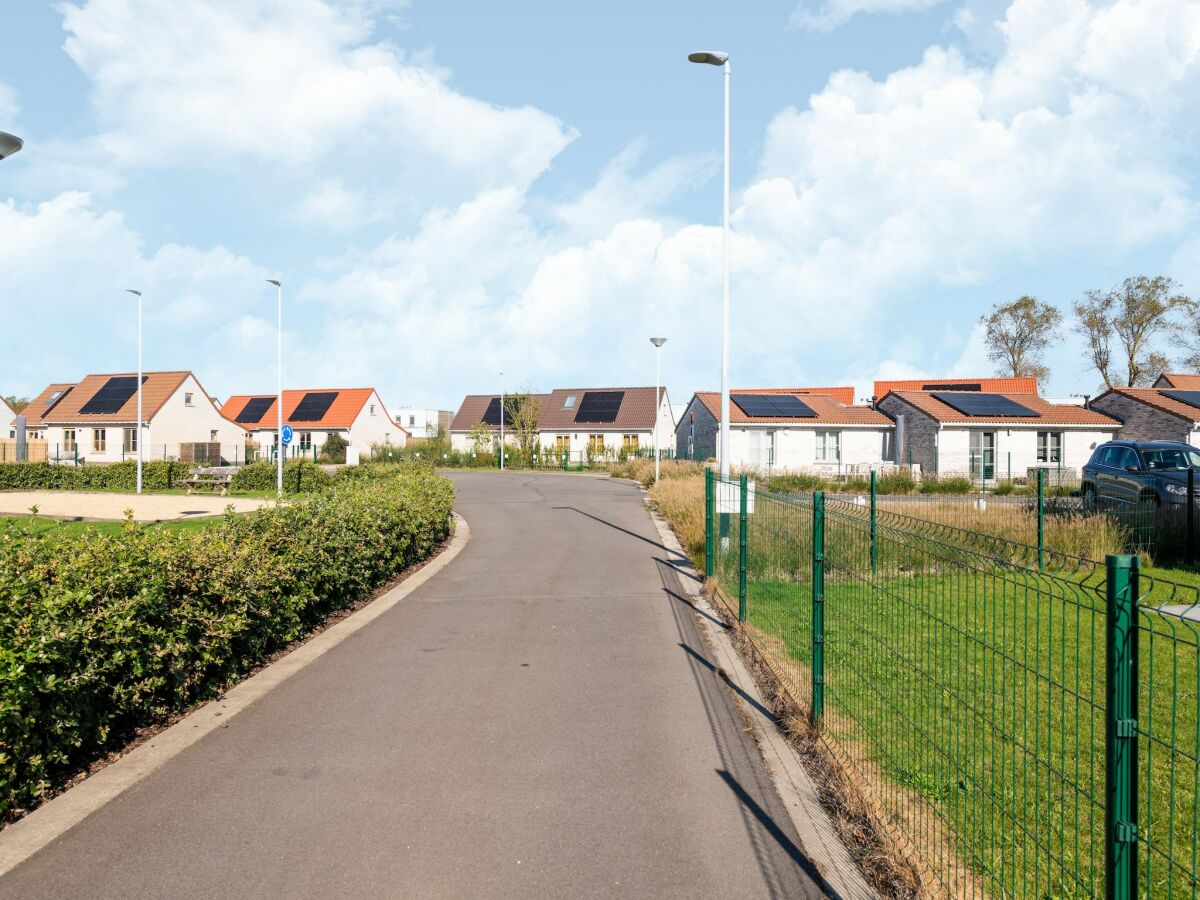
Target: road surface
539	719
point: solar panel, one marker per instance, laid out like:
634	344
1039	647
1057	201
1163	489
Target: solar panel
966	386
254	410
491	415
1191	398
313	406
599	406
773	406
114	394
985	405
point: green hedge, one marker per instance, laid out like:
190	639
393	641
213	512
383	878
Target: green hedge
157	475
299	476
101	634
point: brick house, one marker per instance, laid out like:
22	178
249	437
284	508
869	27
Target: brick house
357	414
788	429
989	435
1155	414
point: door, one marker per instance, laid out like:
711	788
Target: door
983	455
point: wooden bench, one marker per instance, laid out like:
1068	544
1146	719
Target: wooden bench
210	478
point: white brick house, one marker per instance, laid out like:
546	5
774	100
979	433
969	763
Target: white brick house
357	414
1153	414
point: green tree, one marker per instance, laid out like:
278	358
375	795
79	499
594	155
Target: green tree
1018	333
1131	319
524	410
18	404
480	437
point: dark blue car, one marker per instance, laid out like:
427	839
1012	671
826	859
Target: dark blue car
1125	473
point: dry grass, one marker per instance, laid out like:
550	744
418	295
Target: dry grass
642	471
680	500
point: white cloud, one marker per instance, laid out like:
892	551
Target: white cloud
827	15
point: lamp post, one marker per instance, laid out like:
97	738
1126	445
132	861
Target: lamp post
657	342
279	394
719	58
501	421
9	144
138	434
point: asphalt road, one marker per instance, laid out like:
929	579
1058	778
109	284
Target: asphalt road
537	720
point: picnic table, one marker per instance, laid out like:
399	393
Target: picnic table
210	479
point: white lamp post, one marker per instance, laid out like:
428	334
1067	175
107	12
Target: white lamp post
501	421
138	434
657	342
9	144
279	395
719	58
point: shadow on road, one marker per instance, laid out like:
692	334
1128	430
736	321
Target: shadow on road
699	657
676	559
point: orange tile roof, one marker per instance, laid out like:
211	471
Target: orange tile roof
341	414
157	388
41	404
985	385
1179	382
829	410
1047	413
636	412
1156	398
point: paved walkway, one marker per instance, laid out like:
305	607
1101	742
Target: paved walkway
539	719
103	505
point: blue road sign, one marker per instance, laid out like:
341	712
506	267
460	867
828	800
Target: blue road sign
287	435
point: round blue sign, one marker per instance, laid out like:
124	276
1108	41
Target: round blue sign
287	435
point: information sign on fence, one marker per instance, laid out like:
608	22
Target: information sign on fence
729	500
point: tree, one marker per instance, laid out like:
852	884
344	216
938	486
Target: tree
1018	333
1133	316
480	438
18	404
523	411
334	448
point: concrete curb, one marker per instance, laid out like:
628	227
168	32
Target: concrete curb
27	836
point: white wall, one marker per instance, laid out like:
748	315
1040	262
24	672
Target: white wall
796	447
372	426
1016	448
419	421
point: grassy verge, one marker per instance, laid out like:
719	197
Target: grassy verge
41	526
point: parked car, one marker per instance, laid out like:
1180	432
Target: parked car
1124	473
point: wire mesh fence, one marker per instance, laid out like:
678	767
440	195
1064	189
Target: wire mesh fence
1021	721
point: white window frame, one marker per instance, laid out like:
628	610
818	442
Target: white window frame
129	440
823	446
1050	447
99	440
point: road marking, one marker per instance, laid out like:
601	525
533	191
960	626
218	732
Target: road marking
27	836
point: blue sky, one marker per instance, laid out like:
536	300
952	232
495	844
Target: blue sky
453	190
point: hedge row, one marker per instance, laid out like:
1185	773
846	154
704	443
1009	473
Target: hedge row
299	476
101	634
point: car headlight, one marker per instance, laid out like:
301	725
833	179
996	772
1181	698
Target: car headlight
1177	489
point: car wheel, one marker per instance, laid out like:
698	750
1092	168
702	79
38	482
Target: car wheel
1149	499
1089	498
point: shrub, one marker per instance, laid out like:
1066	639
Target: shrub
103	633
895	483
299	476
157	475
958	484
334	448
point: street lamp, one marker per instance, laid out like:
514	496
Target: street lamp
279	396
657	342
719	58
138	433
501	421
9	144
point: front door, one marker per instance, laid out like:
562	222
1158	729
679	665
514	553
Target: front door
983	455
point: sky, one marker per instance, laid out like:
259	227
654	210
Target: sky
461	196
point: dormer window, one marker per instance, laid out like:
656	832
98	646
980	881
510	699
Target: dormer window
569	403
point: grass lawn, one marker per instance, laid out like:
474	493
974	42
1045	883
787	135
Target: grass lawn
37	525
971	694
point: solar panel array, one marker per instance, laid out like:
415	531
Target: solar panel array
491	415
1191	398
313	406
254	410
113	395
985	405
966	386
773	406
599	406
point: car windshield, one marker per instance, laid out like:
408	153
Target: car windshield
1171	459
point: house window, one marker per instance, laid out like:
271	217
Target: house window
129	444
1049	446
562	443
306	440
982	455
187	400
69	440
629	441
829	446
596	443
99	440
212	437
372	409
412	420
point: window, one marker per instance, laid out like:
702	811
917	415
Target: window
372	409
562	443
569	402
629	441
596	443
212	437
982	455
412	420
69	440
829	446
1049	446
99	440
129	445
187	400
306	440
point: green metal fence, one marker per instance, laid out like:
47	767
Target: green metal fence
1021	723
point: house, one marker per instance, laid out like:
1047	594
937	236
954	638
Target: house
1178	381
601	422
7	415
422	422
95	420
788	429
357	414
989	436
35	412
998	385
1155	414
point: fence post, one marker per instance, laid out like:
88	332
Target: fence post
708	522
1120	729
874	508
742	492
818	608
1190	553
1041	523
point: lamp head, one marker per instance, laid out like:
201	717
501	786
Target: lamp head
132	291
9	144
658	342
275	281
710	57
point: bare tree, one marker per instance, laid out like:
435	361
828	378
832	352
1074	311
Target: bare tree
1134	315
1018	333
524	410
